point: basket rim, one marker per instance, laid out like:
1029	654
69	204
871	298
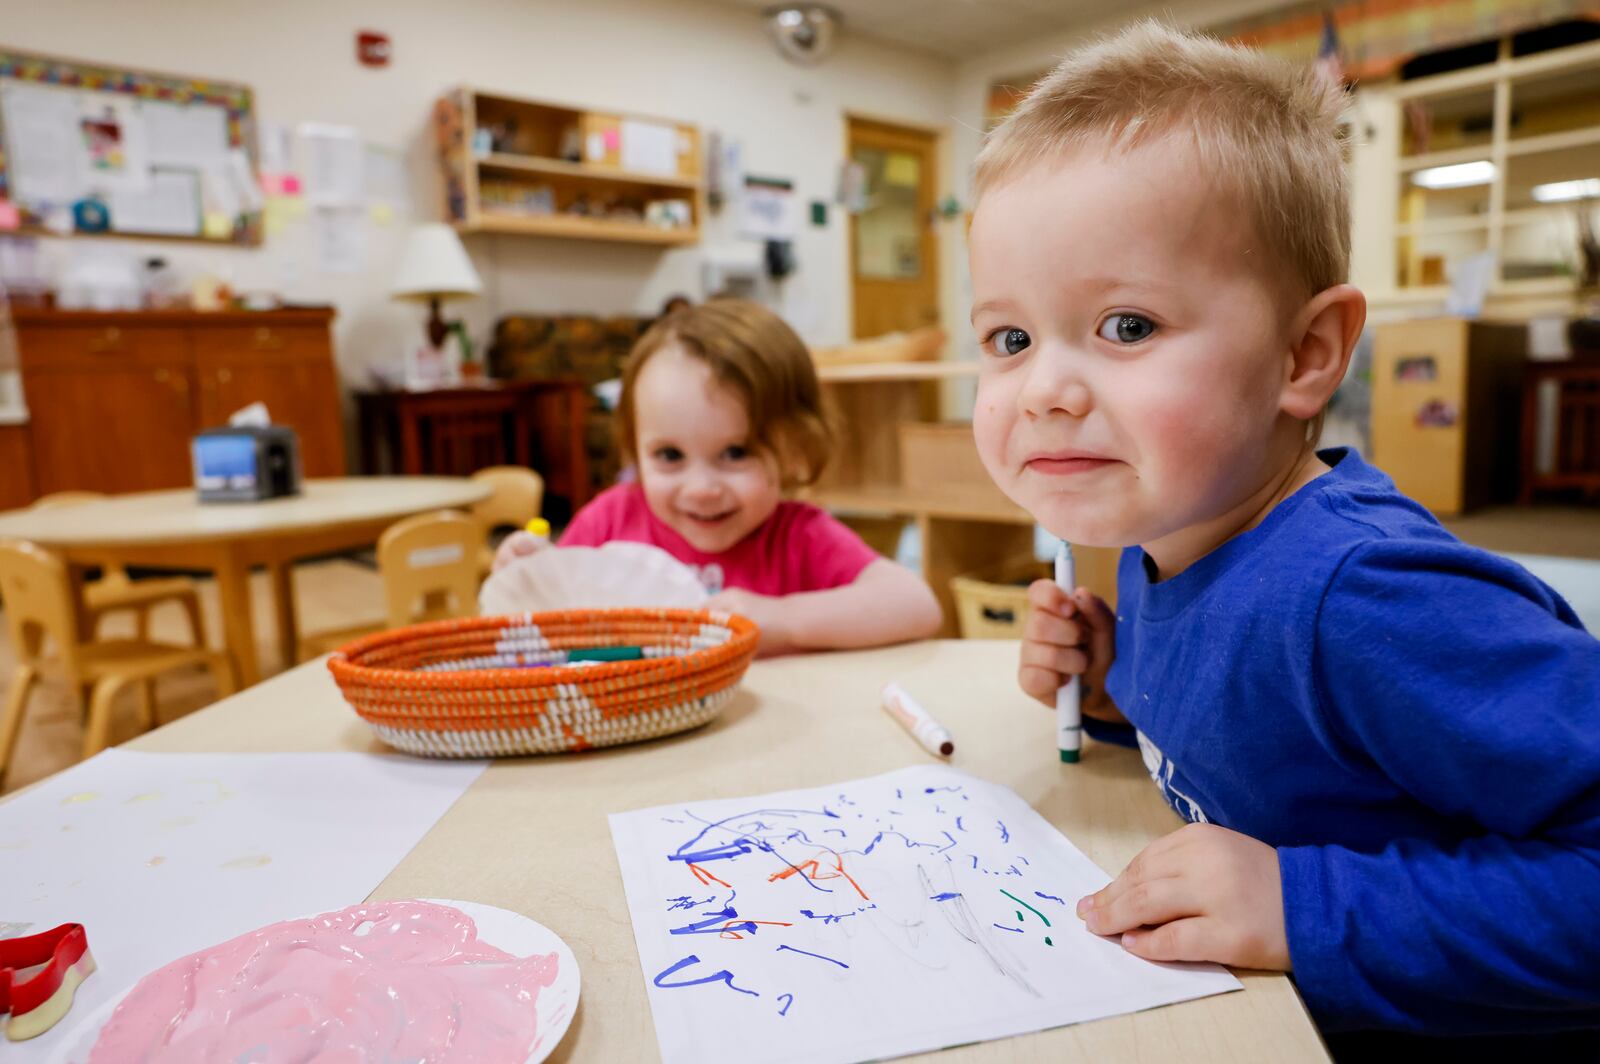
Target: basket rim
745	635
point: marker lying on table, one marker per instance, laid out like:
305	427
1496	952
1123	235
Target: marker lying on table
914	719
1069	722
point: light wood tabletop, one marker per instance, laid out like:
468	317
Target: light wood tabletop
173	529
531	834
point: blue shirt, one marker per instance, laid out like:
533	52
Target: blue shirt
1414	724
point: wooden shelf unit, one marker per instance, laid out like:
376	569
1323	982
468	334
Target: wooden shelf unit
533	143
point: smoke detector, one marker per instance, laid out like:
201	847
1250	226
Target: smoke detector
803	32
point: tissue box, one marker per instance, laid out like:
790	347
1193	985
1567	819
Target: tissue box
246	463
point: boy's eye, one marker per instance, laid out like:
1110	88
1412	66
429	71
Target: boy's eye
1127	328
668	454
1009	341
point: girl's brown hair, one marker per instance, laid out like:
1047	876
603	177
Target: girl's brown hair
752	351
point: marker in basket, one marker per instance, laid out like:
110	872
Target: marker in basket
916	720
1069	722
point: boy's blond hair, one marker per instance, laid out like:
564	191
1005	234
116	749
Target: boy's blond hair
1265	133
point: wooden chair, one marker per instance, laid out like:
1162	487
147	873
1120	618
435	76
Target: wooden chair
518	495
116	591
429	565
38	602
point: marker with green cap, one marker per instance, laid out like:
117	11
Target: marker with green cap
1069	720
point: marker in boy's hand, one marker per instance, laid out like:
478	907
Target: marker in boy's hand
1066	636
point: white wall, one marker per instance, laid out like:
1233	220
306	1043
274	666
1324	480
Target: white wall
710	65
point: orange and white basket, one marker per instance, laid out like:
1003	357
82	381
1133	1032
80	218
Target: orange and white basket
501	686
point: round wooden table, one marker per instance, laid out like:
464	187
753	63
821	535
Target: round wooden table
172	529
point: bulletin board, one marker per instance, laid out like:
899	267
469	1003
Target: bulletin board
93	150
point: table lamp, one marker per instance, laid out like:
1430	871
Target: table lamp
434	266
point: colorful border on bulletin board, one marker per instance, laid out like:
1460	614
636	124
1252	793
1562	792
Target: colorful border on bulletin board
237	100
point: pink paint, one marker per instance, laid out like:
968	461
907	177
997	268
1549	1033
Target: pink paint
403	980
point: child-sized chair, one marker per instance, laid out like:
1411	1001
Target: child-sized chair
518	495
38	603
116	591
429	565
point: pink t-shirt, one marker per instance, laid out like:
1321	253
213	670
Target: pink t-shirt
798	548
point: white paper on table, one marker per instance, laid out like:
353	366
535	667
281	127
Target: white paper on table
906	912
341	238
168	205
190	135
44	147
160	855
332	158
649	147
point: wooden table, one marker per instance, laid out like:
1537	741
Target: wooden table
171	529
459	430
531	835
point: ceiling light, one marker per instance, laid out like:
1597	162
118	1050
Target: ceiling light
1461	175
1562	191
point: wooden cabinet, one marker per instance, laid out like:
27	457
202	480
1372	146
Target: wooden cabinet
115	398
16	466
1445	394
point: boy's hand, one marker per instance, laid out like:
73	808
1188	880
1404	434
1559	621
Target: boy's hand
517	545
765	610
1067	636
1202	893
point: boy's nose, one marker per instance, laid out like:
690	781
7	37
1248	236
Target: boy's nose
1053	385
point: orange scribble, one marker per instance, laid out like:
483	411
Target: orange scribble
813	870
702	876
734	934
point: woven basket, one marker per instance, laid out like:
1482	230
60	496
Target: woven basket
499	686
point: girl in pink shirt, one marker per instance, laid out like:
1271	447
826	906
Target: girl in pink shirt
721	413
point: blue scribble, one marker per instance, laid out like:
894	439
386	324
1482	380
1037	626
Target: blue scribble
959	825
670	820
723	976
1003	927
1048	897
845	800
683	901
826	918
930	790
949	895
897	793
1005	836
806	953
952	839
785	1010
737	848
836	831
1024	860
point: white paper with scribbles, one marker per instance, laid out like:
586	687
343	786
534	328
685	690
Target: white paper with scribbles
911	911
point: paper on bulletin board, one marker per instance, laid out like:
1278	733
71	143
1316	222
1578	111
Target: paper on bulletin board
115	144
191	135
159	855
649	147
44	153
340	234
333	160
768	209
168	204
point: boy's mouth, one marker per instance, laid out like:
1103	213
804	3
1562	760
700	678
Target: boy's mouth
1067	462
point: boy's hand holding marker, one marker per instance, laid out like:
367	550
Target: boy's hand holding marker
1068	635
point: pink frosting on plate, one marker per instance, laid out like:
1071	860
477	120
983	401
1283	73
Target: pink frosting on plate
403	980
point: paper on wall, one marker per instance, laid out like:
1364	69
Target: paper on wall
191	135
168	205
902	913
340	233
332	158
768	209
44	152
159	855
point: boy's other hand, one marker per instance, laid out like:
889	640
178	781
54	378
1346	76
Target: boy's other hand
517	545
1202	893
1066	636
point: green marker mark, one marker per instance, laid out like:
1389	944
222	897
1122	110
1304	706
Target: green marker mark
1026	906
1047	941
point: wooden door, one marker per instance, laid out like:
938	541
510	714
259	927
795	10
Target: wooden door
111	429
894	246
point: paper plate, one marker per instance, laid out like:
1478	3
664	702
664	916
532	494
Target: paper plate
500	928
592	578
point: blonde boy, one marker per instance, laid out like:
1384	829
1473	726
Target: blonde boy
1387	743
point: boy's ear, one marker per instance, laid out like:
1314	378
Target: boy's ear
1325	334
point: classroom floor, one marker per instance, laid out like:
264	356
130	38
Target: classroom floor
1561	545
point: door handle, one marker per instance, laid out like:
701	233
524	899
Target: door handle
266	340
109	340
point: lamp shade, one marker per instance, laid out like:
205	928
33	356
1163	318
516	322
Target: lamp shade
434	265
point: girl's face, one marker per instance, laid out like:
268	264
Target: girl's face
700	475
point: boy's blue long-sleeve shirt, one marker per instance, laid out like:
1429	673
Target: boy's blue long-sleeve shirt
1414	724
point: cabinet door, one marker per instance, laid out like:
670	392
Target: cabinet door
111	429
302	395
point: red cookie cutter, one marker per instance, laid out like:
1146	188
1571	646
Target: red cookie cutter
39	975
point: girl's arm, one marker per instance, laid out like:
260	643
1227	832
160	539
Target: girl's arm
887	603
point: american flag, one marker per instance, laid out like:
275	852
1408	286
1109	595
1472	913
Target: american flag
1329	65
